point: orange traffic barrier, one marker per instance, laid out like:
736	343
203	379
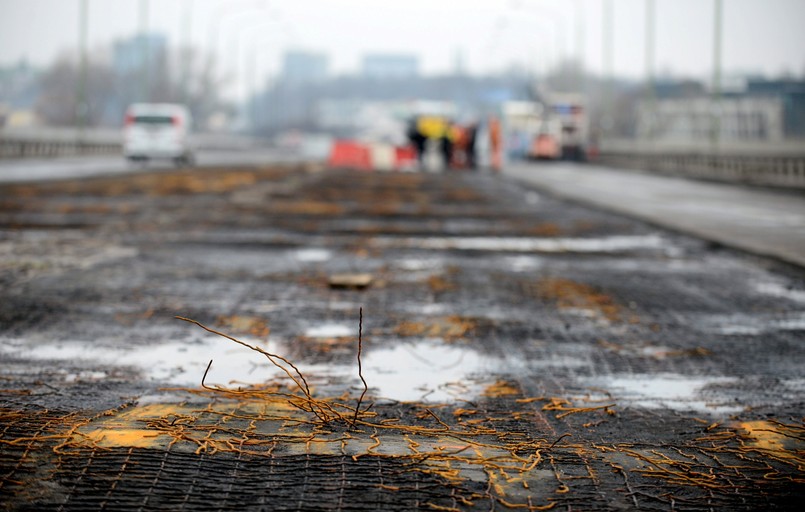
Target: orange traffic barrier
405	158
545	146
350	154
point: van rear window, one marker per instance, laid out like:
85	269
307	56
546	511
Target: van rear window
153	119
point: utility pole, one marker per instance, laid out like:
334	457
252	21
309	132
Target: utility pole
251	94
580	19
718	18
607	46
650	41
145	82
82	107
184	53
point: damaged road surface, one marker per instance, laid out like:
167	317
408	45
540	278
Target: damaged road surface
371	341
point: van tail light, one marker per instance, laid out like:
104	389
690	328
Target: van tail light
129	120
177	121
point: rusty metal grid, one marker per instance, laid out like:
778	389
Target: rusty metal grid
652	459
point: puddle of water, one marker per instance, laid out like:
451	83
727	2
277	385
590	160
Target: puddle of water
85	376
412	270
549	245
670	391
738	330
312	255
331	331
560	361
427	370
522	263
751	325
778	290
180	364
420	264
80	254
430	309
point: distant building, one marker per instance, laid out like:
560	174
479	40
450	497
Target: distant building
19	90
129	55
382	66
792	95
19	84
762	110
299	67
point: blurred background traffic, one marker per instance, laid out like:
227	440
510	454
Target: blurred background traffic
515	79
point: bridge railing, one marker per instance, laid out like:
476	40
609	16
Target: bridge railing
780	164
51	142
56	142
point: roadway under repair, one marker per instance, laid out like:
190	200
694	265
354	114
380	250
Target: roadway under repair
520	352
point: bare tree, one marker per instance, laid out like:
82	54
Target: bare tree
58	102
174	77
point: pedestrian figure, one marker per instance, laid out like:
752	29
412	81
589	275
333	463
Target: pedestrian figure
447	143
495	143
472	133
417	139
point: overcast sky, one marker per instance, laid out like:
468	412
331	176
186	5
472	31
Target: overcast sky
761	36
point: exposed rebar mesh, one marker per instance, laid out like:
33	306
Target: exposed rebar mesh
466	260
154	480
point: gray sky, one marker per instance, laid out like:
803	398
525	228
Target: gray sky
764	36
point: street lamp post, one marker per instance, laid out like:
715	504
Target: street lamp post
246	79
557	25
187	24
254	58
650	38
718	16
220	15
81	94
580	32
145	83
607	58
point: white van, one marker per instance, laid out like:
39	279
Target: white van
157	130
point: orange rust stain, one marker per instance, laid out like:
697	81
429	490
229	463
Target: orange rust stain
570	294
546	229
305	207
130	438
501	388
449	328
438	284
764	435
150	411
253	325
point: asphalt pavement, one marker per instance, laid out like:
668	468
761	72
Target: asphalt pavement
21	170
762	221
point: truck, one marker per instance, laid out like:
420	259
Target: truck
552	129
568	114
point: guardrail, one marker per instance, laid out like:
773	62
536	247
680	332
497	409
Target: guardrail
780	164
56	142
43	142
21	148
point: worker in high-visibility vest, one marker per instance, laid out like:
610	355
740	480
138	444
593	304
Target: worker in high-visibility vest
496	143
437	128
